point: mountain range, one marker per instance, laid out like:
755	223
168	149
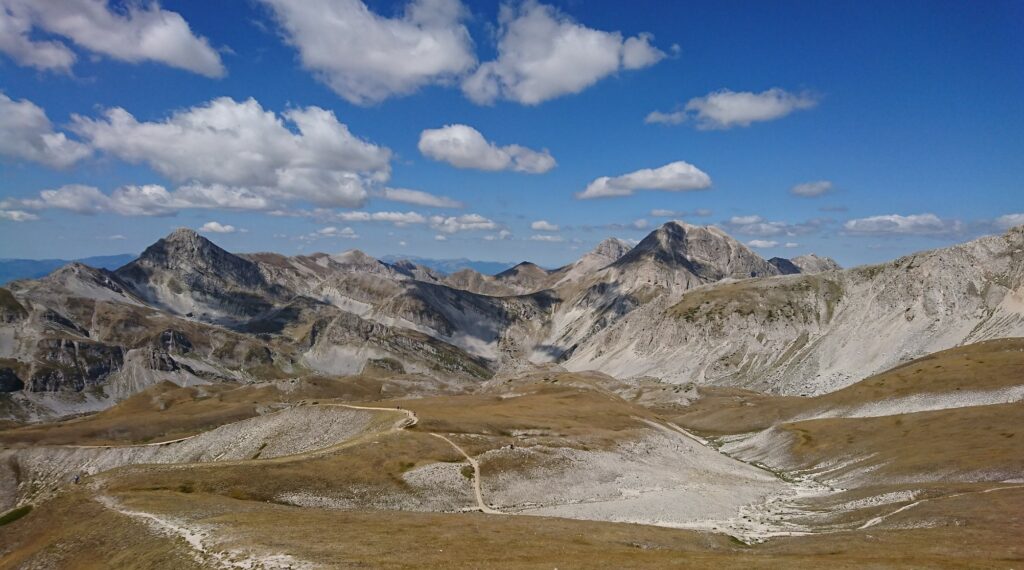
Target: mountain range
448	266
12	269
687	305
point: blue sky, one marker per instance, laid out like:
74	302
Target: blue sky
904	117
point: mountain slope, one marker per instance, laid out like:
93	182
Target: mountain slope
680	306
815	333
679	256
187	274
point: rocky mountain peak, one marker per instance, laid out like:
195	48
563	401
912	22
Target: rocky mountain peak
185	246
812	263
705	251
611	248
187	272
184	235
354	256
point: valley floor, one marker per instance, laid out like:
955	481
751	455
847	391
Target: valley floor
540	471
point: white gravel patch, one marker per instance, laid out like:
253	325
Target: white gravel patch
664	479
443	486
290	431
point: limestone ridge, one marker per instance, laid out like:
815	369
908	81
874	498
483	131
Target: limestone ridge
686	304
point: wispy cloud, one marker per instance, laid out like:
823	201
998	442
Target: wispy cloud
726	109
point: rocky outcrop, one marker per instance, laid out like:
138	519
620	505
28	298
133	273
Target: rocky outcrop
785	266
73	365
812	263
11	310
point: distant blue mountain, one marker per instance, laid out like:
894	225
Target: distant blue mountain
450	266
13	269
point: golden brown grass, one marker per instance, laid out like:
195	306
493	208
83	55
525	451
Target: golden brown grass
76	532
980	443
240	500
166	411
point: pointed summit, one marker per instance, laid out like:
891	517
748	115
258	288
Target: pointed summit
611	248
188	273
604	254
705	251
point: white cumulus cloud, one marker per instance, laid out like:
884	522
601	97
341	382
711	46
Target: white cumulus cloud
762	243
895	224
753	225
17	216
240	145
397	218
218	228
145	200
26	133
1009	220
133	32
725	109
365	57
466	222
463	146
333	232
811	189
544	54
544	226
673	177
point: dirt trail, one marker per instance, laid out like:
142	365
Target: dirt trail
409	421
476	476
154	444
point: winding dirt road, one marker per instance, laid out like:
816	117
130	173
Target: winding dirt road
410	415
476	476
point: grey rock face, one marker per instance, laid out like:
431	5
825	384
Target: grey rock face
785	266
187	273
73	365
812	263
